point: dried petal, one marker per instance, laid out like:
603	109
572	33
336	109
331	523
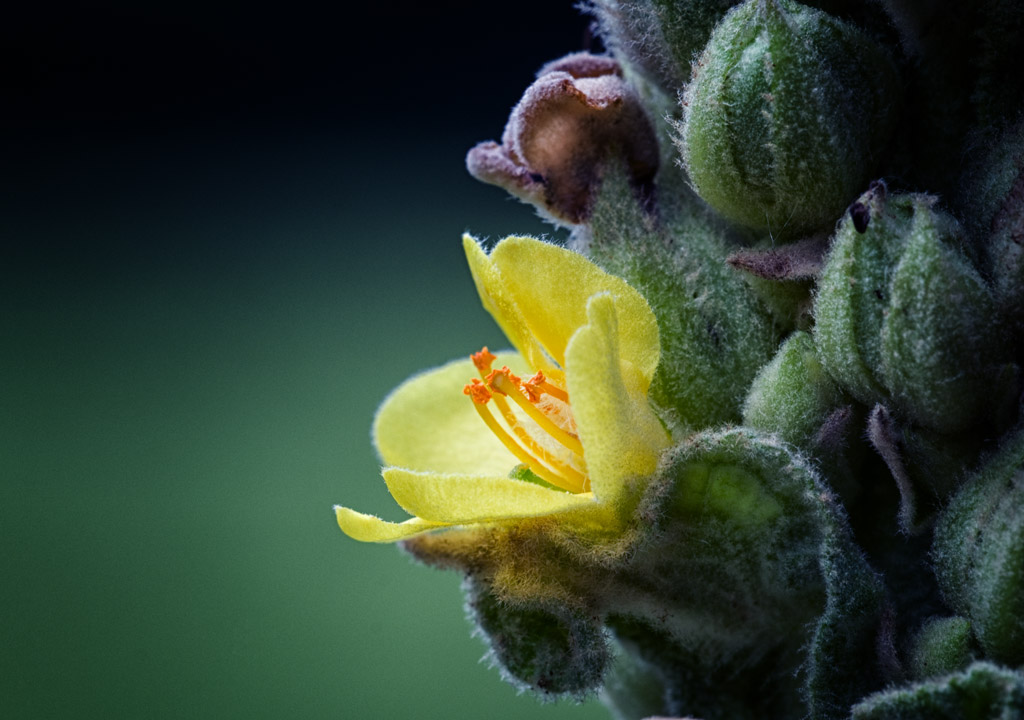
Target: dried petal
570	123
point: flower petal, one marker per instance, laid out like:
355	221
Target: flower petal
463	499
551	285
621	435
499	302
369	528
426	423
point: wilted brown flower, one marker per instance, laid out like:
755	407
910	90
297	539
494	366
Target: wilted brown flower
576	117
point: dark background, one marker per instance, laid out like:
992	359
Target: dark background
227	232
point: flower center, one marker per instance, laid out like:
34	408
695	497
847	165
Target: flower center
545	440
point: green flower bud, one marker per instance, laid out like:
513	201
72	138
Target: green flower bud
902	316
994	205
942	646
979	553
786	116
659	37
797	400
982	692
852	292
937	327
792	395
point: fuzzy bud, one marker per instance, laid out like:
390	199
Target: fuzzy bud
761	531
792	395
979	553
659	37
902	316
577	116
992	203
786	116
942	646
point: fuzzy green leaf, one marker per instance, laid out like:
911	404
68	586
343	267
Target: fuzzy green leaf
548	649
982	692
757	556
715	334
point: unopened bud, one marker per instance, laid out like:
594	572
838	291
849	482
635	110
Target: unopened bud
942	646
902	316
786	117
979	553
793	395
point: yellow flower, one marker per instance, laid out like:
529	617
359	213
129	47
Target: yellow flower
582	423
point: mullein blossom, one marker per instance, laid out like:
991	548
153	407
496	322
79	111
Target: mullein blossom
545	476
472	443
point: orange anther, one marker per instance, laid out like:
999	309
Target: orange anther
503	381
516	380
539	384
483	359
477	391
494	377
527	441
534	386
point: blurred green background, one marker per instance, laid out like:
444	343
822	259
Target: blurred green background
223	244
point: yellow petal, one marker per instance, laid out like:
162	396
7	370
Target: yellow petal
464	499
620	433
426	423
368	528
497	300
551	286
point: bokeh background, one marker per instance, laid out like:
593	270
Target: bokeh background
227	232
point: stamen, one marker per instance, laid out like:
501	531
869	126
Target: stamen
532	446
568	474
477	391
576	483
482	360
504	381
539	384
